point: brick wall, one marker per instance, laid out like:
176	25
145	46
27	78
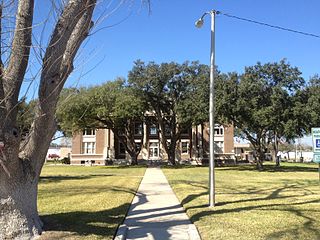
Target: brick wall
228	139
100	138
76	143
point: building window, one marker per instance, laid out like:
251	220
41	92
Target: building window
89	147
153	130
185	147
138	128
218	131
89	132
154	150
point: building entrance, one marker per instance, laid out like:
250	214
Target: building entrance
154	150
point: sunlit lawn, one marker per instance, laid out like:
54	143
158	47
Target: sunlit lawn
78	202
273	204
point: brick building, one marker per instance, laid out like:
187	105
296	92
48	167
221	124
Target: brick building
96	146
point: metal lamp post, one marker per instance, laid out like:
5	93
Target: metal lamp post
199	24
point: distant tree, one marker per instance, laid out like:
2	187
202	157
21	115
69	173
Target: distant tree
263	104
177	96
311	97
25	116
112	105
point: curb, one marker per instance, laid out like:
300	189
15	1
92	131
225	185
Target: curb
121	233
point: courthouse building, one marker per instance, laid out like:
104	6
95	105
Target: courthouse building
97	146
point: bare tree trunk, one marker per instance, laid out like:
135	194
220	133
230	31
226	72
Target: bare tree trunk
20	166
19	217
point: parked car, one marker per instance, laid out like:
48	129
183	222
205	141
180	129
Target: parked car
53	156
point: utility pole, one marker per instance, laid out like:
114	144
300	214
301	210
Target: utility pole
199	24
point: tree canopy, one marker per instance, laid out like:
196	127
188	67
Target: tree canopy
112	105
263	103
176	95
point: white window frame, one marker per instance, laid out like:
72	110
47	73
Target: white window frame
153	146
91	130
89	147
218	131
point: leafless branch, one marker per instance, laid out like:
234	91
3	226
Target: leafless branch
18	61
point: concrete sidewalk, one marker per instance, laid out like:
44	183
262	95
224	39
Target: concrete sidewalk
156	213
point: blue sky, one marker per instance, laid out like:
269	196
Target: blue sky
169	34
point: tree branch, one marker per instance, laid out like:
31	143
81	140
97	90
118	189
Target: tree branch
2	102
70	31
18	61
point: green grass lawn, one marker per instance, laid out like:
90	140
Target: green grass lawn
274	204
77	202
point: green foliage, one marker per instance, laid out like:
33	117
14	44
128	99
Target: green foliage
182	89
65	160
263	103
267	103
112	105
108	105
311	99
177	95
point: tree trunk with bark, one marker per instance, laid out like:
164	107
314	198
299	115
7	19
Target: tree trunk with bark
134	159
21	161
260	158
276	150
172	153
169	147
128	140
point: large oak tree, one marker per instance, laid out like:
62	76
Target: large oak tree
263	104
177	97
112	105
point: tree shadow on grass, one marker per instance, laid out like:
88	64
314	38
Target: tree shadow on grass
155	222
298	231
50	179
127	166
252	167
181	166
275	193
101	223
308	226
271	168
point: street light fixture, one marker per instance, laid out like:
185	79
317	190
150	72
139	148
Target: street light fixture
199	24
